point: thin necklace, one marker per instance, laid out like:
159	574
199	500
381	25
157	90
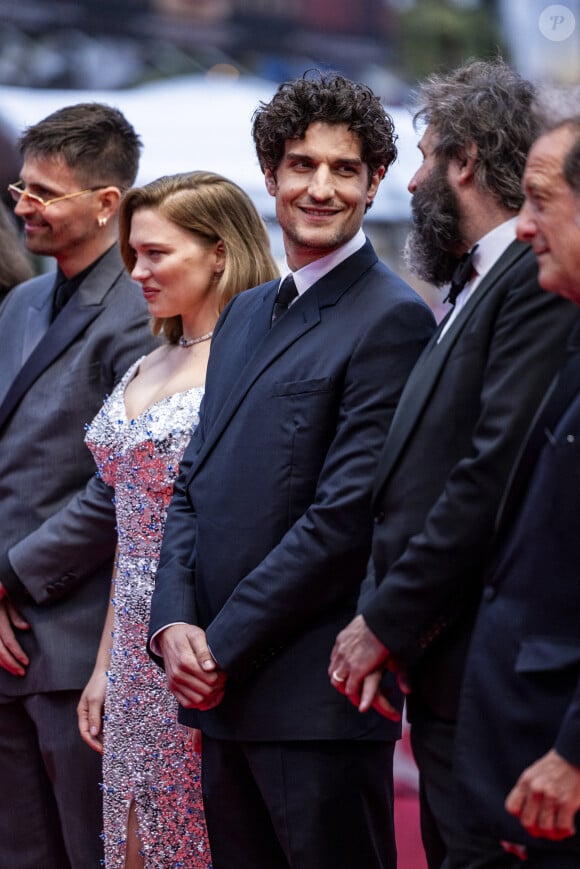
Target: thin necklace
189	342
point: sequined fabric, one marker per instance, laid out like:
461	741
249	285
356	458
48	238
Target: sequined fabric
147	757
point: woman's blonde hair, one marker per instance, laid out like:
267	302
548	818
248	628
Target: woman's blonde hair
213	208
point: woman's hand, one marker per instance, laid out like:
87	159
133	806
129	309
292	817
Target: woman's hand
90	710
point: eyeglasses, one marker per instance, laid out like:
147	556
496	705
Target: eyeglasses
18	190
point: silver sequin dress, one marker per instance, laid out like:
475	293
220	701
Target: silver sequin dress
147	758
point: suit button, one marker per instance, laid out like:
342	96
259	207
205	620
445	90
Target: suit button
379	517
489	592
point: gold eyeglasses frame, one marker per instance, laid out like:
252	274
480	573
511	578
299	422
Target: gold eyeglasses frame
17	193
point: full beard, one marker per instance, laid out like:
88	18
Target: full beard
436	230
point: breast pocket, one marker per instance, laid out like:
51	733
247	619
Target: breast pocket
306	408
303	387
538	654
547	669
307	414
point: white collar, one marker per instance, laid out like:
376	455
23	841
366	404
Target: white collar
491	246
308	275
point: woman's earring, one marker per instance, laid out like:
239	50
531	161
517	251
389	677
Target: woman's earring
102	222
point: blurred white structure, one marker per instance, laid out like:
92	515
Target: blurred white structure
544	38
199	123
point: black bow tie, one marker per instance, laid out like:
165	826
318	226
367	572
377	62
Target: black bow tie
463	273
286	294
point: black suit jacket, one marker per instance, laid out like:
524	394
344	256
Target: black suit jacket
268	533
521	695
444	468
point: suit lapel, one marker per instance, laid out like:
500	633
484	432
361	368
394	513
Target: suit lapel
563	390
259	319
61	333
37	318
265	344
80	311
425	375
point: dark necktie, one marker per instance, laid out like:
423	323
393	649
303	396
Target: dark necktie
62	293
463	273
286	294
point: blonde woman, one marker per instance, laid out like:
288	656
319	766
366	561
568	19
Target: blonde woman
192	241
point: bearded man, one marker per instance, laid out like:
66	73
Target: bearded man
460	421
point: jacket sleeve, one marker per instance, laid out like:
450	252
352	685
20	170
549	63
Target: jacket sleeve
69	546
173	598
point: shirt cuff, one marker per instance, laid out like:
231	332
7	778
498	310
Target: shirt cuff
154	645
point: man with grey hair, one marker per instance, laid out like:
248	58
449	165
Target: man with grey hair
460	421
518	737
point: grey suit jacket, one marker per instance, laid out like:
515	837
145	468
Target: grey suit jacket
57	516
455	436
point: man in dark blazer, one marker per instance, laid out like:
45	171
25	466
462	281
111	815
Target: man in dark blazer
518	738
63	345
460	422
268	534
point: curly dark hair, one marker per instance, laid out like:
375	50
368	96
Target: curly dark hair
332	99
486	103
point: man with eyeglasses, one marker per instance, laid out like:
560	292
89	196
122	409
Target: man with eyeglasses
19	191
65	340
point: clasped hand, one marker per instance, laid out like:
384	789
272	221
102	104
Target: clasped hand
546	797
357	663
193	675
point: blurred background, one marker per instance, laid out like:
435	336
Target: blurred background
189	73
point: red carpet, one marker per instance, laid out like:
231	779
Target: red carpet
409	847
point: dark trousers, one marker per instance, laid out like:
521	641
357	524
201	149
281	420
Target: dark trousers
432	741
299	805
468	853
50	800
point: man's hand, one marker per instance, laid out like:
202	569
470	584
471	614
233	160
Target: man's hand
192	674
546	797
356	665
193	736
12	656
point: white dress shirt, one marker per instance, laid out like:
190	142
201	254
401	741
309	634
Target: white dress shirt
489	250
307	276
